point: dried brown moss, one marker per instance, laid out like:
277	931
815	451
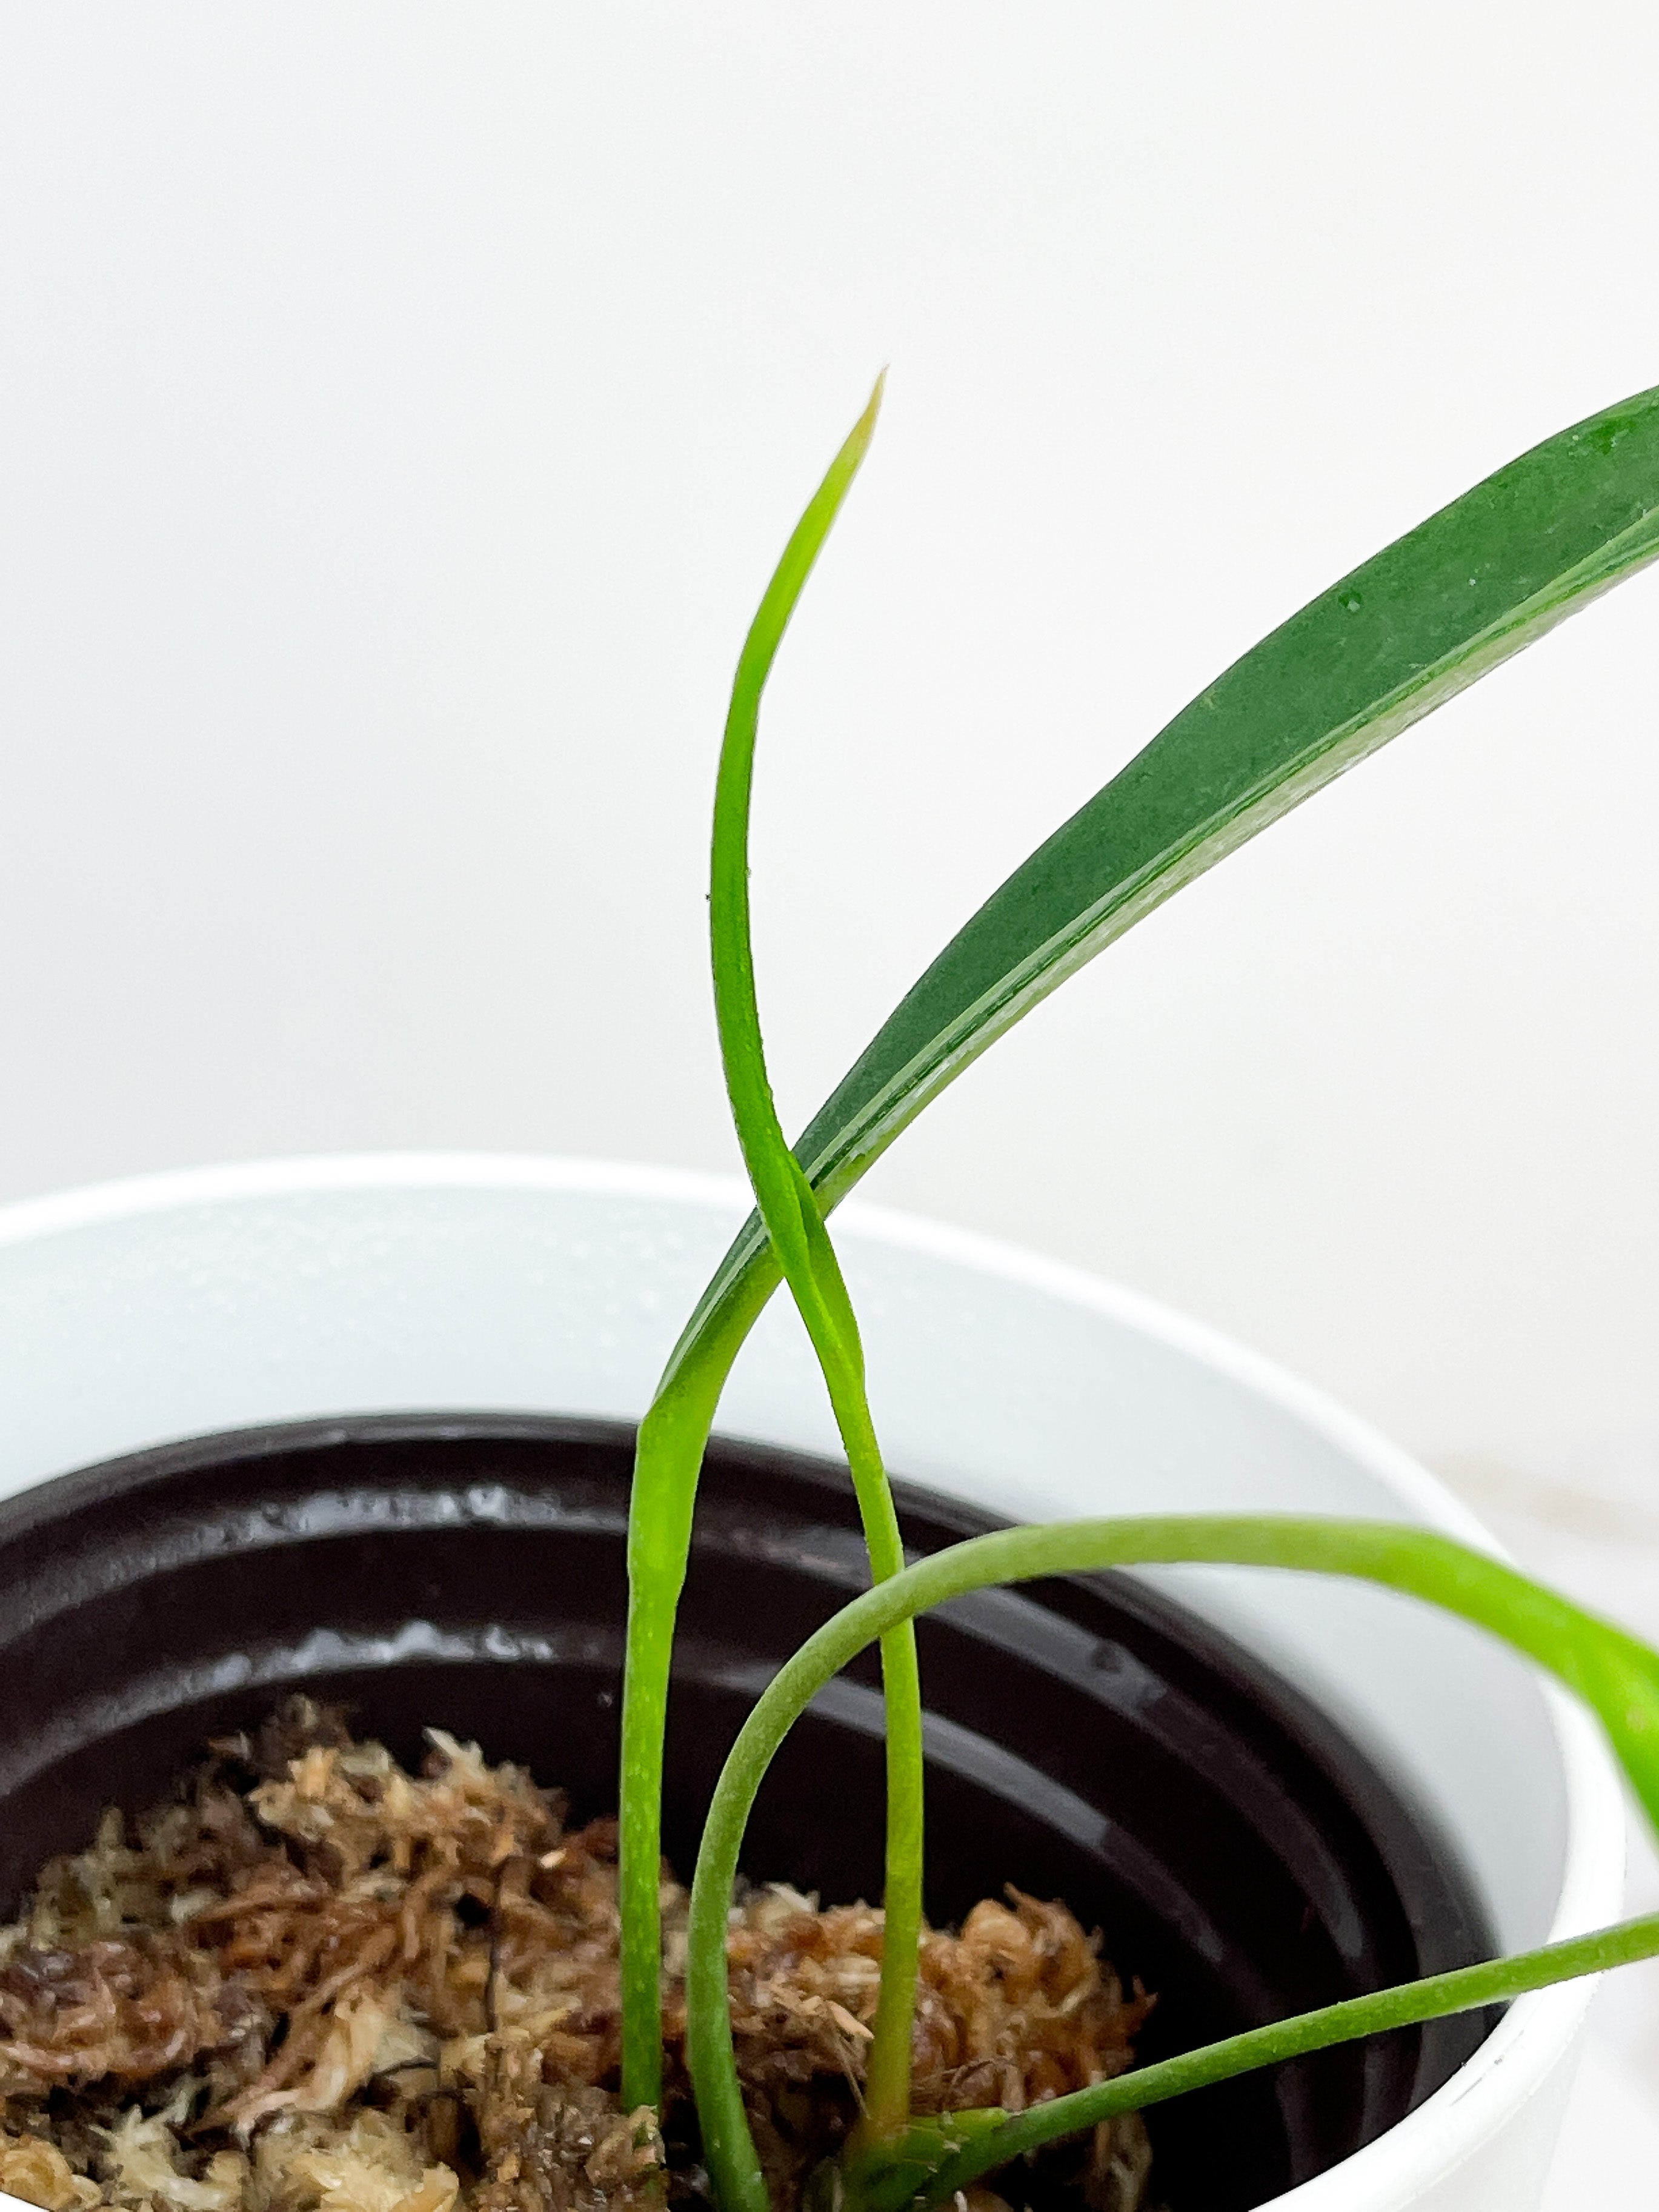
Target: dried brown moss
316	1983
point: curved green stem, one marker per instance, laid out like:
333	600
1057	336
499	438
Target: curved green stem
1468	1989
1614	1674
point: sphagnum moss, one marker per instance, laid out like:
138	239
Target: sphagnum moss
312	1981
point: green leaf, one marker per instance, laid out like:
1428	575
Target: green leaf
1379	650
802	1249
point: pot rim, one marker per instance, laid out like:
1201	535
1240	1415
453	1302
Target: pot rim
1529	2043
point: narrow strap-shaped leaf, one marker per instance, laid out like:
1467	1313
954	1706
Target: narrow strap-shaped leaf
802	1249
1375	652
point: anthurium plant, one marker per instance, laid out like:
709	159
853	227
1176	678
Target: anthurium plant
1376	651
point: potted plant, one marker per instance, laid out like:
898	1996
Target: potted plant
181	1588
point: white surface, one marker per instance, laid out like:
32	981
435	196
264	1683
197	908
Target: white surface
404	403
154	1310
1608	2151
1585	1522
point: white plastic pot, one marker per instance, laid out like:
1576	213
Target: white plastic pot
180	1305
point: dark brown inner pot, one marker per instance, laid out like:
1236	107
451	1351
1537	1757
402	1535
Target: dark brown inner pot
1087	1740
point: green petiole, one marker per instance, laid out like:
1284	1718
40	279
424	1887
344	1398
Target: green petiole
667	1459
1469	1989
1614	1674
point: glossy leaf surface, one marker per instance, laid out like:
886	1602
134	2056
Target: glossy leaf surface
1376	651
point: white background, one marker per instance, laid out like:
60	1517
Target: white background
401	406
